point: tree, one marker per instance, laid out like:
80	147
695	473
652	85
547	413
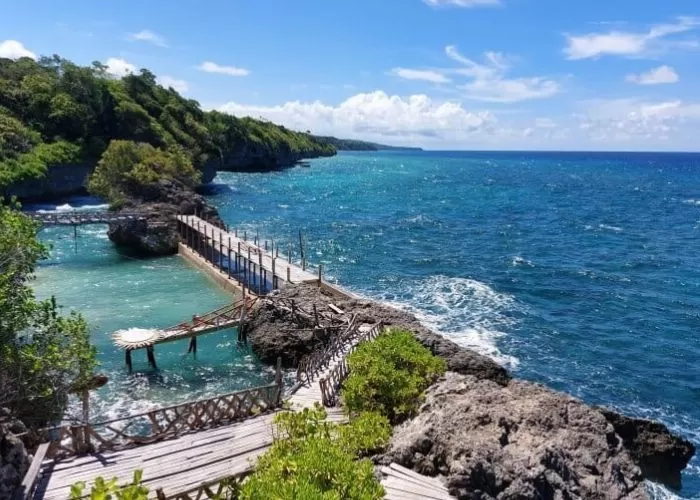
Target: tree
43	355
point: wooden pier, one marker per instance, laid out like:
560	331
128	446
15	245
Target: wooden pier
229	316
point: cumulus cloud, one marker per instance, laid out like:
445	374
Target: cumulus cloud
212	67
147	36
425	75
168	81
462	3
119	67
416	119
12	49
657	39
656	76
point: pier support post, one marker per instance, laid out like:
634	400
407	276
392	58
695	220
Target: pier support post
289	279
274	277
221	252
151	355
129	364
193	346
278	379
228	267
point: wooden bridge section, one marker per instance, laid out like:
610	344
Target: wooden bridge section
255	269
78	218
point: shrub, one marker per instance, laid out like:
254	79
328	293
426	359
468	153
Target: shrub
110	490
389	376
366	434
309	459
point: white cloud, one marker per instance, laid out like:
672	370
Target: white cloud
416	119
147	36
116	66
425	75
462	3
645	123
212	67
12	49
656	76
489	83
168	81
631	44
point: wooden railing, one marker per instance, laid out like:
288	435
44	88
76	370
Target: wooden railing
162	423
312	364
331	383
215	318
26	489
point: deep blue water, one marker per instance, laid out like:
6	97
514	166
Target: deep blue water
576	270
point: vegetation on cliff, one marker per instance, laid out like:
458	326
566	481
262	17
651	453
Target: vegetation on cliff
356	145
43	355
53	111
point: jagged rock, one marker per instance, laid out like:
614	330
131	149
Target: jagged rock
159	203
518	441
14	459
270	336
660	454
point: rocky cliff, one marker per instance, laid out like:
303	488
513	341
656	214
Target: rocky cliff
14	459
60	181
254	157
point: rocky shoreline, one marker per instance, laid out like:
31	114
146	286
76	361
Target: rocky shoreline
487	434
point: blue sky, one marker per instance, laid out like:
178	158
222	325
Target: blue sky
442	74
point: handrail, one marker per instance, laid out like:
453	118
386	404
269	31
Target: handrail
311	364
330	384
25	490
163	423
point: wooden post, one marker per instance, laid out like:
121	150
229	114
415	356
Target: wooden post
245	235
128	360
85	397
236	232
274	278
150	353
221	252
266	245
228	267
199	239
289	255
320	273
278	379
289	279
193	346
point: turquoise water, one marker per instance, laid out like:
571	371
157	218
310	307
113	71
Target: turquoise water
115	292
580	271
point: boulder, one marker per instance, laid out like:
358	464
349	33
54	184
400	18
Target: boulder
14	459
660	454
514	442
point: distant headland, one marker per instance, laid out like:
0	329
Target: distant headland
355	145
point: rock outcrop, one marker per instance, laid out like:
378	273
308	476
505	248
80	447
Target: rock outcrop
156	234
270	332
14	459
60	181
660	454
256	157
514	442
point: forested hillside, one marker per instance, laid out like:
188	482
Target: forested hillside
54	112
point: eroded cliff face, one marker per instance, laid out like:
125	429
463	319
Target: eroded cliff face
252	157
60	181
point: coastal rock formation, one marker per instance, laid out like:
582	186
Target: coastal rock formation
517	441
14	459
59	181
660	454
251	156
156	234
271	336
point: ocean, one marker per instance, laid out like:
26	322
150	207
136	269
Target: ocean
576	270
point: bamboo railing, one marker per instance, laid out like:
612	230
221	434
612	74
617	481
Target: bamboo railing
163	423
312	364
331	383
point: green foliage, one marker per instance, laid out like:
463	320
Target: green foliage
53	100
126	167
110	490
389	375
366	434
313	459
43	354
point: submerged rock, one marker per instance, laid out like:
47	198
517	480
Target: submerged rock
515	442
660	454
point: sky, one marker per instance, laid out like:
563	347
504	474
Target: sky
440	74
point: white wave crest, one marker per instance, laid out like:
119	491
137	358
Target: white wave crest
466	311
67	207
521	261
610	228
691	202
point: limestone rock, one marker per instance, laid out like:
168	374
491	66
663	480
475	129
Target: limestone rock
515	442
660	454
14	459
